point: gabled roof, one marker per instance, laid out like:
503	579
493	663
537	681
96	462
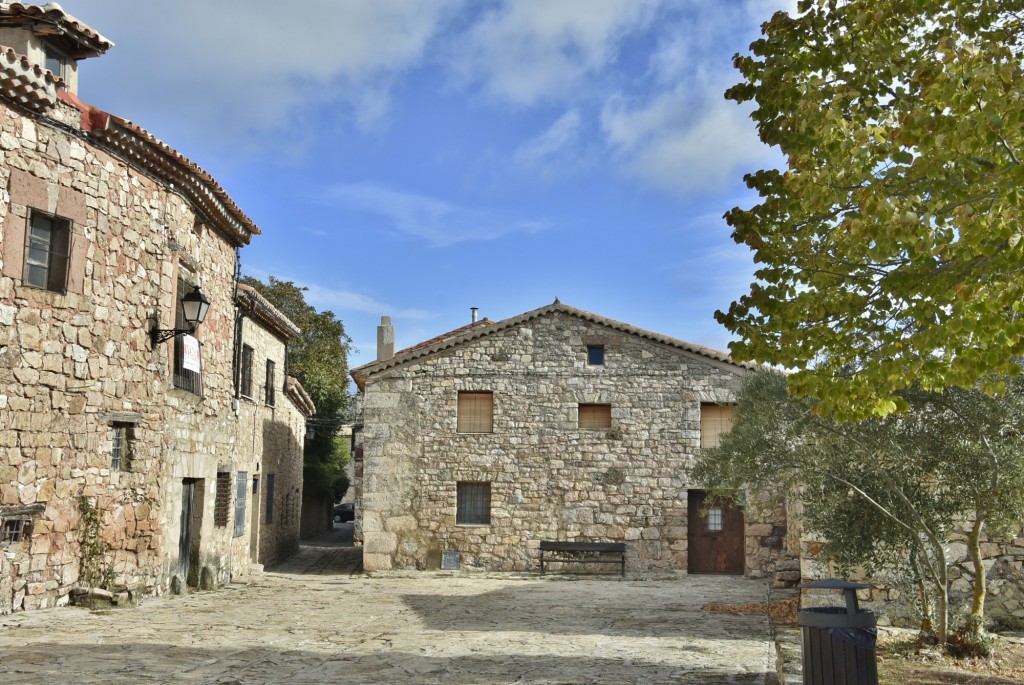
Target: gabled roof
481	329
77	38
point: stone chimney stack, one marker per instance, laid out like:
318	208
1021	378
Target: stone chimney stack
385	339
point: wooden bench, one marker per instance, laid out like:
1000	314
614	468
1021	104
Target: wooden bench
588	553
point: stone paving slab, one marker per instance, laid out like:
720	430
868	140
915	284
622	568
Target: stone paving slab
317	620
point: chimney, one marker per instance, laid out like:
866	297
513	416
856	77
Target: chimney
474	311
385	339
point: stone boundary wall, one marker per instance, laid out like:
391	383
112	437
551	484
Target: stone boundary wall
893	597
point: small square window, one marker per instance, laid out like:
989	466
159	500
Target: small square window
15	530
122	437
476	412
595	416
595	355
474	504
47	246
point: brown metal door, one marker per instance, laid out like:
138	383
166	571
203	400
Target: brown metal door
715	531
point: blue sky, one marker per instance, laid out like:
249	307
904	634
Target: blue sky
416	158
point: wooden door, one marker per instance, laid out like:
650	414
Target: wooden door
188	490
715	533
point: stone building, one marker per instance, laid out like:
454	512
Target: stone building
273	409
124	461
556	424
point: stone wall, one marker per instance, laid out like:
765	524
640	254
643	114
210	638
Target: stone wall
549	478
272	434
73	364
894	598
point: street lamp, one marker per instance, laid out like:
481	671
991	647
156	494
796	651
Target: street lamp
194	306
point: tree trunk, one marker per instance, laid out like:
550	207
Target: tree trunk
927	611
938	573
975	627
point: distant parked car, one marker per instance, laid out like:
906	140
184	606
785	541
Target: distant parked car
344	512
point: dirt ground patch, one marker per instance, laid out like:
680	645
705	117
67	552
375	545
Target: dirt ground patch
781	611
900	662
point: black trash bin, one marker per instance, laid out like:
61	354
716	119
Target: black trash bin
839	642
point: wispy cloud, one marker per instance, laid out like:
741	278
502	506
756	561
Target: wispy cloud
526	52
325	298
542	150
347	301
438	222
258	67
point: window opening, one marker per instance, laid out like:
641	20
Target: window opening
187	350
15	530
121	446
245	380
55	62
473	506
270	499
595	416
222	501
715	419
47	244
270	383
595	355
476	412
241	487
715	519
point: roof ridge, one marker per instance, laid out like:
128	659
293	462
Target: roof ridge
469	333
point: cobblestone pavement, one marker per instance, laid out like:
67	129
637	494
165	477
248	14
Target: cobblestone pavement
317	619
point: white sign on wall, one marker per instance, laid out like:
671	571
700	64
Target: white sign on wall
190	360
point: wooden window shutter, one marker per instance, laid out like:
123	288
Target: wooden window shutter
476	412
595	416
715	419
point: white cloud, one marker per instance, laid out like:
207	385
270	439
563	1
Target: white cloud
438	222
533	50
253	66
341	302
684	142
552	142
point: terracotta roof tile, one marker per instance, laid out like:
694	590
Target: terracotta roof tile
81	39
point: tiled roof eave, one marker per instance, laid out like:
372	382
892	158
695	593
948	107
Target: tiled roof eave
267	314
299	396
136	145
26	84
52	19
